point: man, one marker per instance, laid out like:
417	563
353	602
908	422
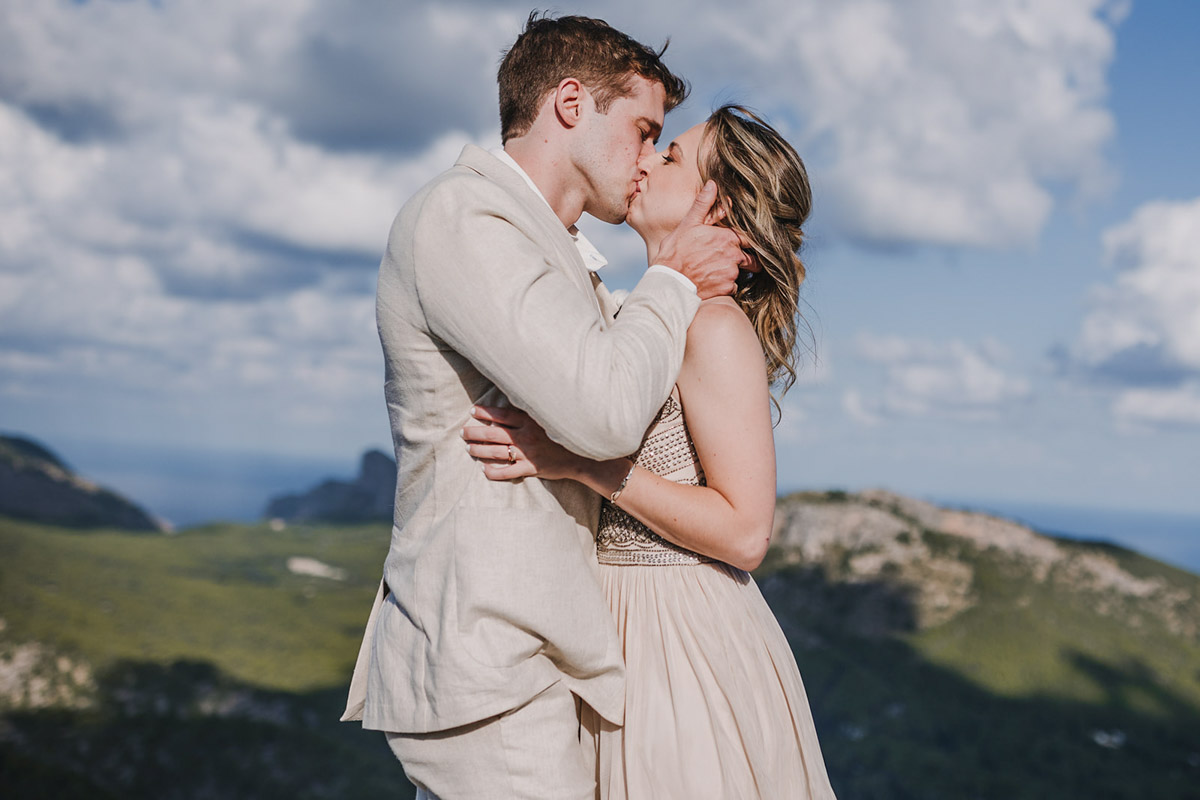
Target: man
489	625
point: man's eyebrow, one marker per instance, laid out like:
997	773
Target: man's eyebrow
653	127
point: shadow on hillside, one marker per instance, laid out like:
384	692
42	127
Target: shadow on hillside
892	725
1129	687
868	608
184	730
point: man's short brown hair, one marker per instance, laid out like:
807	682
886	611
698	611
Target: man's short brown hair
600	56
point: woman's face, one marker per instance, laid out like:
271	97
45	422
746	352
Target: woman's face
668	187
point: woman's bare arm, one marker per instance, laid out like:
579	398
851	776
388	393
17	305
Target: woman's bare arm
726	400
724	393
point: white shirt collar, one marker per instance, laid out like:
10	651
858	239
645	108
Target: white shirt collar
592	258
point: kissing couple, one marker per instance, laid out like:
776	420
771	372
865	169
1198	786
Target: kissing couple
565	610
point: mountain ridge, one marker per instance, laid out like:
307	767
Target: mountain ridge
368	497
36	484
888	531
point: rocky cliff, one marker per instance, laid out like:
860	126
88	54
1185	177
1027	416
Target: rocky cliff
932	556
368	498
35	484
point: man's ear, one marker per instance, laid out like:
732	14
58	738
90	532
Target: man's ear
568	101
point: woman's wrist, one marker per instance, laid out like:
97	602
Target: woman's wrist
606	477
615	494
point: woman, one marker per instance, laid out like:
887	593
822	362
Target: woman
714	702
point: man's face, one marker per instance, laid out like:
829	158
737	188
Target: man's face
613	143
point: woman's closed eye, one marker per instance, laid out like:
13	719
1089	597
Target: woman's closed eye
673	154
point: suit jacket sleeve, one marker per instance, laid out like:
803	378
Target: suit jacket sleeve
495	295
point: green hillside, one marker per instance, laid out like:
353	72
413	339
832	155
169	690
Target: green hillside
193	665
991	662
946	655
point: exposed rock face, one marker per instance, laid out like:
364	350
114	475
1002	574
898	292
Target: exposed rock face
37	485
368	498
32	676
927	556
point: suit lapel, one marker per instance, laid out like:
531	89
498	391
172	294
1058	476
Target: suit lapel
608	306
550	227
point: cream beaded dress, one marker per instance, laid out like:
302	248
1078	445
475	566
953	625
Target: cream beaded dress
714	704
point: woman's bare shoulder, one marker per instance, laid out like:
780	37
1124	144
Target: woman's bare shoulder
719	321
722	337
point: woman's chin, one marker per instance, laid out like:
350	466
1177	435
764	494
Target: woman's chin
634	218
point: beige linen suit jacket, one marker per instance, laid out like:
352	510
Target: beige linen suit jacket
489	592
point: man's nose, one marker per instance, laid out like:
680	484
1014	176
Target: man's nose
646	160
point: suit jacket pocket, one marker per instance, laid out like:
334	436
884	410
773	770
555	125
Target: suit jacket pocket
525	588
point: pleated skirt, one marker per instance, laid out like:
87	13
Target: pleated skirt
714	703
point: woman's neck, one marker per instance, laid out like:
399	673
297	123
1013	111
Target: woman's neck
653	244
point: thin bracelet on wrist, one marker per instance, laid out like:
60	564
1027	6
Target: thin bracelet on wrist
612	498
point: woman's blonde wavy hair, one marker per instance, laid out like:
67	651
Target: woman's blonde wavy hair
763	187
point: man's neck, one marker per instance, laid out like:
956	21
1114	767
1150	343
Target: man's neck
551	171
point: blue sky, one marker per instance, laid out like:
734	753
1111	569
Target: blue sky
1004	257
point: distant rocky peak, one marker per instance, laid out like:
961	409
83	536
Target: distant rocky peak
377	468
369	497
37	485
19	450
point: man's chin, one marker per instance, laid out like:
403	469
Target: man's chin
618	212
613	217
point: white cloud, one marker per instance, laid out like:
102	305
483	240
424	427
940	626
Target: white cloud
196	193
1177	406
924	122
1142	331
857	410
1145	327
925	378
168	236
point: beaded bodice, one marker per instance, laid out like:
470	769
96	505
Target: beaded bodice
667	450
